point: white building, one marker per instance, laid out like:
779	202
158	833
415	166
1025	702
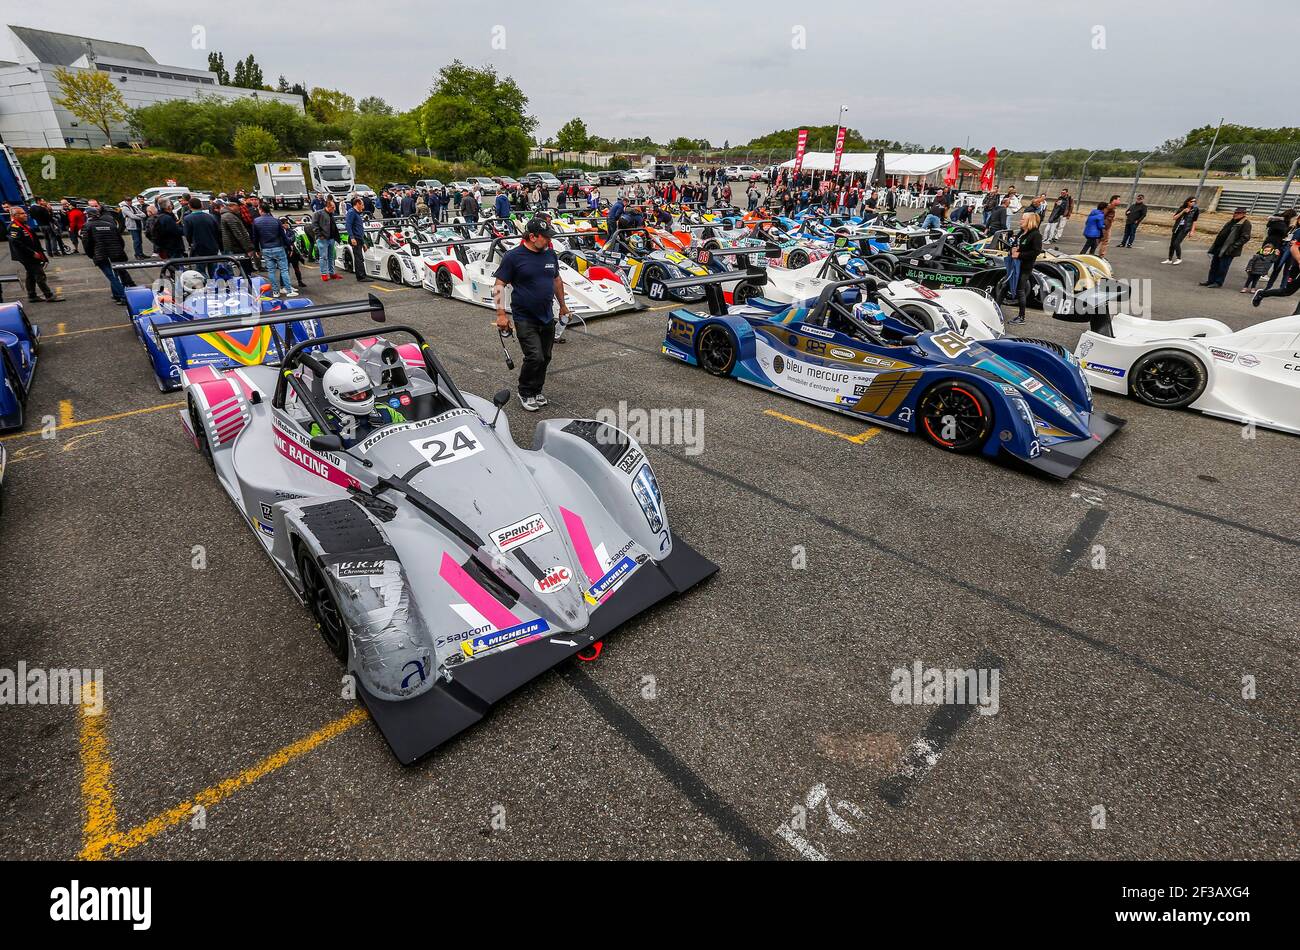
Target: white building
30	118
903	167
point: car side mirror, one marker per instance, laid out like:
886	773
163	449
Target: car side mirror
327	443
501	398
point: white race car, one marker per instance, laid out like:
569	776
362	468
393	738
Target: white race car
1251	375
400	253
468	273
931	309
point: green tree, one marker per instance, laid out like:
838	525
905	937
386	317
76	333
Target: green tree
472	109
332	106
254	144
217	64
248	75
683	144
573	136
380	134
181	125
91	96
373	105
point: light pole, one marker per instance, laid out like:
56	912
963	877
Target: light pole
1082	175
1042	166
1137	176
1210	156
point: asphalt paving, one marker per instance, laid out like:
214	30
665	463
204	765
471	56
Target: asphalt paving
1141	620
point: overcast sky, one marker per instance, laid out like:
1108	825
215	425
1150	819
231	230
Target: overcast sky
1011	73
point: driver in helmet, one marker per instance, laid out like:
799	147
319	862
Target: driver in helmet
351	410
869	316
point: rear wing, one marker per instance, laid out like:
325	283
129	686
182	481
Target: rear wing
712	284
173	263
371	305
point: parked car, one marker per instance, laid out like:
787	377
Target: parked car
485	185
742	173
428	183
506	182
612	176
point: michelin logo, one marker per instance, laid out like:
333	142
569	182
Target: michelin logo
501	637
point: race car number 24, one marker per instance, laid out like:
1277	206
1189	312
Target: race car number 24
450	446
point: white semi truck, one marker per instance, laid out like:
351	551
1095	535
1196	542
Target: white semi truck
280	184
332	173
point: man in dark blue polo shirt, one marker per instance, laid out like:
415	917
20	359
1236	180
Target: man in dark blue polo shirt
532	271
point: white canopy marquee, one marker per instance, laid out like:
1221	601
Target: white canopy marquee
898	164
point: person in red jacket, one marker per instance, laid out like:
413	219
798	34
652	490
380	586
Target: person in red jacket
76	221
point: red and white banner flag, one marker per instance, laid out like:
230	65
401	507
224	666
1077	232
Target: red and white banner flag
989	171
954	170
839	150
798	155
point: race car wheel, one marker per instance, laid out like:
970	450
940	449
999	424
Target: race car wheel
917	315
324	607
743	292
796	259
955	416
715	349
442	281
200	433
1168	379
394	270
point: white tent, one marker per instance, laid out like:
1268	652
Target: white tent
898	164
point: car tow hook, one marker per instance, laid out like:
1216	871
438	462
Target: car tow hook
595	653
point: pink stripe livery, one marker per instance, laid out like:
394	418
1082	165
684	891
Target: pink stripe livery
491	609
577	529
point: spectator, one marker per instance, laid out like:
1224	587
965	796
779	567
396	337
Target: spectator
25	249
1277	231
133	214
501	205
76	221
1290	274
1184	223
41	223
291	250
1260	263
102	239
325	232
234	236
1133	217
1026	246
1108	221
268	237
166	235
469	206
202	231
532	272
996	221
356	228
408	204
1228	245
1061	211
1093	228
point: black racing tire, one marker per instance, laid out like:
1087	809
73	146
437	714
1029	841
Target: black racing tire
715	349
442	281
958	404
744	292
797	258
324	606
394	270
923	316
1167	379
890	262
200	433
345	259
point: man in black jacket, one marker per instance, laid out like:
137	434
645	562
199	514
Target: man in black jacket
1134	216
25	249
102	240
1228	245
202	230
167	237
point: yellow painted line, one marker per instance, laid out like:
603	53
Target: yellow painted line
65	413
117	844
670	306
387	290
96	772
858	439
63	332
91	422
62	328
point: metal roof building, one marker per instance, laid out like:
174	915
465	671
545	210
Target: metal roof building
29	116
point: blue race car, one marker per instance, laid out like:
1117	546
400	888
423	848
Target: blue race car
213	286
850	351
20	341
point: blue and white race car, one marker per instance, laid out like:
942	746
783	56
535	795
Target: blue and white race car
184	292
851	351
20	341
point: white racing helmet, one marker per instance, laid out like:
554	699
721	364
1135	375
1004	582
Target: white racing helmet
348	389
192	281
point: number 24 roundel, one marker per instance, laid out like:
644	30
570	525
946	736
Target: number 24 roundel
450	446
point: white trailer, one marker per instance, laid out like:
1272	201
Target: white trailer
281	185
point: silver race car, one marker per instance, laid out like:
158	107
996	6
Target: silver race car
445	565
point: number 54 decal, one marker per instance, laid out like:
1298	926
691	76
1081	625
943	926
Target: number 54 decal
449	446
